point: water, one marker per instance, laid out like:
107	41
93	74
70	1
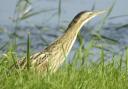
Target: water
69	9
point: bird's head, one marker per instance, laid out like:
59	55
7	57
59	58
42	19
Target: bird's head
84	16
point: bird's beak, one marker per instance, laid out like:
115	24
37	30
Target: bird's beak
96	13
99	12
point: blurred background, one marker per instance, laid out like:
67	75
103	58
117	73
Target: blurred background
48	19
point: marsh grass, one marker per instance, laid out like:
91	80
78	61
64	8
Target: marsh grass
97	75
59	11
28	51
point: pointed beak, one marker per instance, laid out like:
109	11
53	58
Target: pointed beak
99	12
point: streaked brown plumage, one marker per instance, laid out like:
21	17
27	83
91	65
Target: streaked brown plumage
54	55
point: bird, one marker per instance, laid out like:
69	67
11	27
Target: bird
53	56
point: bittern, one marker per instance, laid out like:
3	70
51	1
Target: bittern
52	57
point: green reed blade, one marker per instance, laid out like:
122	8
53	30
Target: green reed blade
28	51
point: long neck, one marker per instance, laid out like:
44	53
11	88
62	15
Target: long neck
70	35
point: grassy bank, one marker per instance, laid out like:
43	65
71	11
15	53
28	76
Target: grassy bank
92	75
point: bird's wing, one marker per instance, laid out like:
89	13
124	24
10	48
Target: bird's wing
36	59
39	58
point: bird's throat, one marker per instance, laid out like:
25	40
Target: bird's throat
69	38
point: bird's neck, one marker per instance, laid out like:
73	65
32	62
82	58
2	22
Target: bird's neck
70	36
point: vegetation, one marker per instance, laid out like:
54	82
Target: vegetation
96	75
81	73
